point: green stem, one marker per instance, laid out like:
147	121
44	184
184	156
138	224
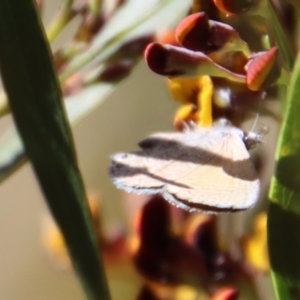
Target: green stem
95	7
61	20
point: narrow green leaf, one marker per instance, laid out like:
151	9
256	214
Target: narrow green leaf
36	104
284	211
281	37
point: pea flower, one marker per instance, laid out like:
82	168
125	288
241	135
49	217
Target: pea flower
207	56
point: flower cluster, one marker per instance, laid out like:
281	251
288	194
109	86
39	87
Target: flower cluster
181	257
212	71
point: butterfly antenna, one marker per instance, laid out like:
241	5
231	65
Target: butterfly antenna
263	97
255	122
253	138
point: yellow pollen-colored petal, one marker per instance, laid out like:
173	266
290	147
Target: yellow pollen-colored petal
187	112
185	292
54	242
196	94
184	89
55	246
205	101
255	246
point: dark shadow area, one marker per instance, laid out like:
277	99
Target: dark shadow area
287	172
283	239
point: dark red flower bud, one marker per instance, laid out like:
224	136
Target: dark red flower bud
193	32
116	71
225	38
180	62
260	67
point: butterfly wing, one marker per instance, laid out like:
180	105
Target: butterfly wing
148	171
226	182
203	170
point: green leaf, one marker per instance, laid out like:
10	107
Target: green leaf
36	104
281	38
284	211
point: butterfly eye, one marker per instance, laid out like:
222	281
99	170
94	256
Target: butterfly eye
235	7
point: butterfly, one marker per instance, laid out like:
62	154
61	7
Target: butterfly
200	170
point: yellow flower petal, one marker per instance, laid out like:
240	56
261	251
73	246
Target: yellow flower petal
205	101
185	292
184	90
54	245
196	94
53	240
255	246
187	112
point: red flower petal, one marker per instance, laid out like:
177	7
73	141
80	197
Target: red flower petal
193	32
